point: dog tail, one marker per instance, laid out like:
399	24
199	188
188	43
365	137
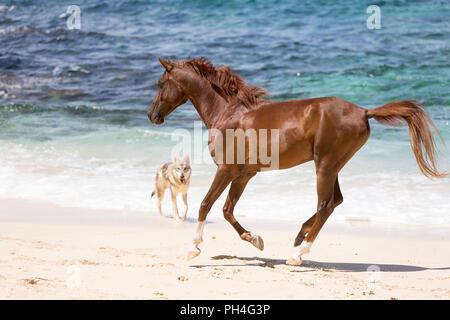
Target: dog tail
153	193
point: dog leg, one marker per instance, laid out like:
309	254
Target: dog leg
174	205
186	205
160	195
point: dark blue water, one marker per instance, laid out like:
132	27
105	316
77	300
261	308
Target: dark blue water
73	102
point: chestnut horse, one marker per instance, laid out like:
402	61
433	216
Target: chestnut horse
327	130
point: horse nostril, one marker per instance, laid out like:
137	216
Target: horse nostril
153	116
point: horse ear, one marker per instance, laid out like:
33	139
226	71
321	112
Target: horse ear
168	65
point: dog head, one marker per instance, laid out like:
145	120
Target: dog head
182	169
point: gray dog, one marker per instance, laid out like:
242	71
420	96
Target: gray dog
174	176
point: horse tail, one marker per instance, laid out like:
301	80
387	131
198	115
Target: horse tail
397	113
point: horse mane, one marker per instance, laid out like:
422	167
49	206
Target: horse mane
225	82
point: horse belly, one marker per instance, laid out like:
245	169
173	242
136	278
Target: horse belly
290	129
294	153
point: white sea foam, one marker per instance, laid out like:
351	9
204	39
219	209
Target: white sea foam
120	177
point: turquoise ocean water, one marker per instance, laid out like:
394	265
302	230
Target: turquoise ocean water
73	126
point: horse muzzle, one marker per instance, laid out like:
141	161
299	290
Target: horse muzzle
157	118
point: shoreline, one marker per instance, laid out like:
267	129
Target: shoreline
17	210
134	257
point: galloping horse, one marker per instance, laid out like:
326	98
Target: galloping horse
327	130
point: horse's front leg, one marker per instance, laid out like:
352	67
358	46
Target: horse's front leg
237	187
221	181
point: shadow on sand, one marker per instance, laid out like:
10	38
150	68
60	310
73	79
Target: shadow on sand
309	265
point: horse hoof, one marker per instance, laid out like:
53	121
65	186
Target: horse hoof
258	242
294	262
192	254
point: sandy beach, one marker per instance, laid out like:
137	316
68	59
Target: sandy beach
50	252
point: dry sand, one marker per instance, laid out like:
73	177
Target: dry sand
47	251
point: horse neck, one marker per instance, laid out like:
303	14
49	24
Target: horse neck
208	103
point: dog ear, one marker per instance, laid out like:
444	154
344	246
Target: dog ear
175	159
187	160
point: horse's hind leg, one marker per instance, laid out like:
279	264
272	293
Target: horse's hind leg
326	181
237	187
306	227
338	198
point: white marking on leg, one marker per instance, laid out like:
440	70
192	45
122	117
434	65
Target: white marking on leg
194	250
304	248
198	238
